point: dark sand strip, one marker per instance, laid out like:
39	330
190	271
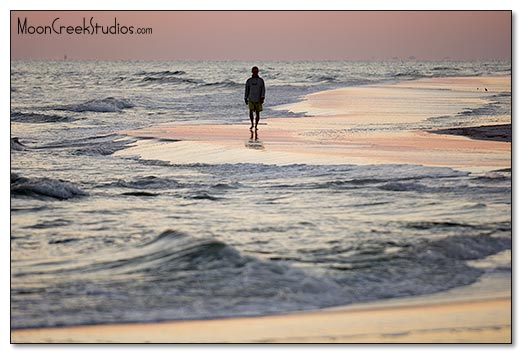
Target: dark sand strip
500	132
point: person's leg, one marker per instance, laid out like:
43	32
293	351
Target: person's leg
251	118
257	118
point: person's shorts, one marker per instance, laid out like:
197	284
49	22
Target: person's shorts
255	106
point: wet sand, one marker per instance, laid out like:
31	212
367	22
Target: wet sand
278	143
334	136
330	136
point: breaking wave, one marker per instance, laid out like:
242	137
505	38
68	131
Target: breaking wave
44	188
39	118
414	269
108	104
190	268
95	145
17	145
147	182
161	73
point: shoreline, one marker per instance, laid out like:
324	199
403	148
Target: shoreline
469	314
455	322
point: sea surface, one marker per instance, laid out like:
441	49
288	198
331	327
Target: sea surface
97	238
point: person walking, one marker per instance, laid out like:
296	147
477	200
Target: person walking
255	96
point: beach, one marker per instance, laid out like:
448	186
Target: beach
329	136
329	133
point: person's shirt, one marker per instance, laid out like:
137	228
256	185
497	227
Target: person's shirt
255	89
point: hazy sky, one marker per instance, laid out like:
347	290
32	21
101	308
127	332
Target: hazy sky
265	35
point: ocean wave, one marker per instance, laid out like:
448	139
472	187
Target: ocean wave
437	71
414	269
147	182
197	83
493	178
15	177
44	188
102	148
462	247
141	194
409	74
224	83
108	104
156	182
17	145
407	183
322	78
39	118
445	68
203	196
28	209
50	224
176	77
226	186
161	73
427	225
175	251
502	94
489	109
194	253
170	251
93	145
62	241
189	269
170	79
418	187
404	187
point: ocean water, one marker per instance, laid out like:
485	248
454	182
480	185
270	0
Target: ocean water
97	238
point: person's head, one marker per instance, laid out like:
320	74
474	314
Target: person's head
255	71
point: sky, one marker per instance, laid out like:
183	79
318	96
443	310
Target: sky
265	35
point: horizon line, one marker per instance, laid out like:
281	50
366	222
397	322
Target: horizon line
261	60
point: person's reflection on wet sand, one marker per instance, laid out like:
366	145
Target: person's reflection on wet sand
254	142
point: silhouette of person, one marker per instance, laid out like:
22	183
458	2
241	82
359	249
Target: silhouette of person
255	96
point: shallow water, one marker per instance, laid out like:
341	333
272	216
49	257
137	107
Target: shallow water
97	238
